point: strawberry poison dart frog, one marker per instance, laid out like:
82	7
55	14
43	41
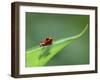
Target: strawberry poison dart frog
46	42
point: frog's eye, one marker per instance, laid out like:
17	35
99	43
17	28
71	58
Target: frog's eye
47	38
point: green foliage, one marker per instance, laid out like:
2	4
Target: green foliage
39	56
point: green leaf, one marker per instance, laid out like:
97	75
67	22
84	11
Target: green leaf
39	56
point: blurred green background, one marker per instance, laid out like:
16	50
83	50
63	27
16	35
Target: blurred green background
59	26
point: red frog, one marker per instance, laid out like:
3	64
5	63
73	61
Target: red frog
46	42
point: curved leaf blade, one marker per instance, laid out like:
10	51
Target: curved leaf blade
39	56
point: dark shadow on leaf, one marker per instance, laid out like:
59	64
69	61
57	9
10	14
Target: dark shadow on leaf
45	51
